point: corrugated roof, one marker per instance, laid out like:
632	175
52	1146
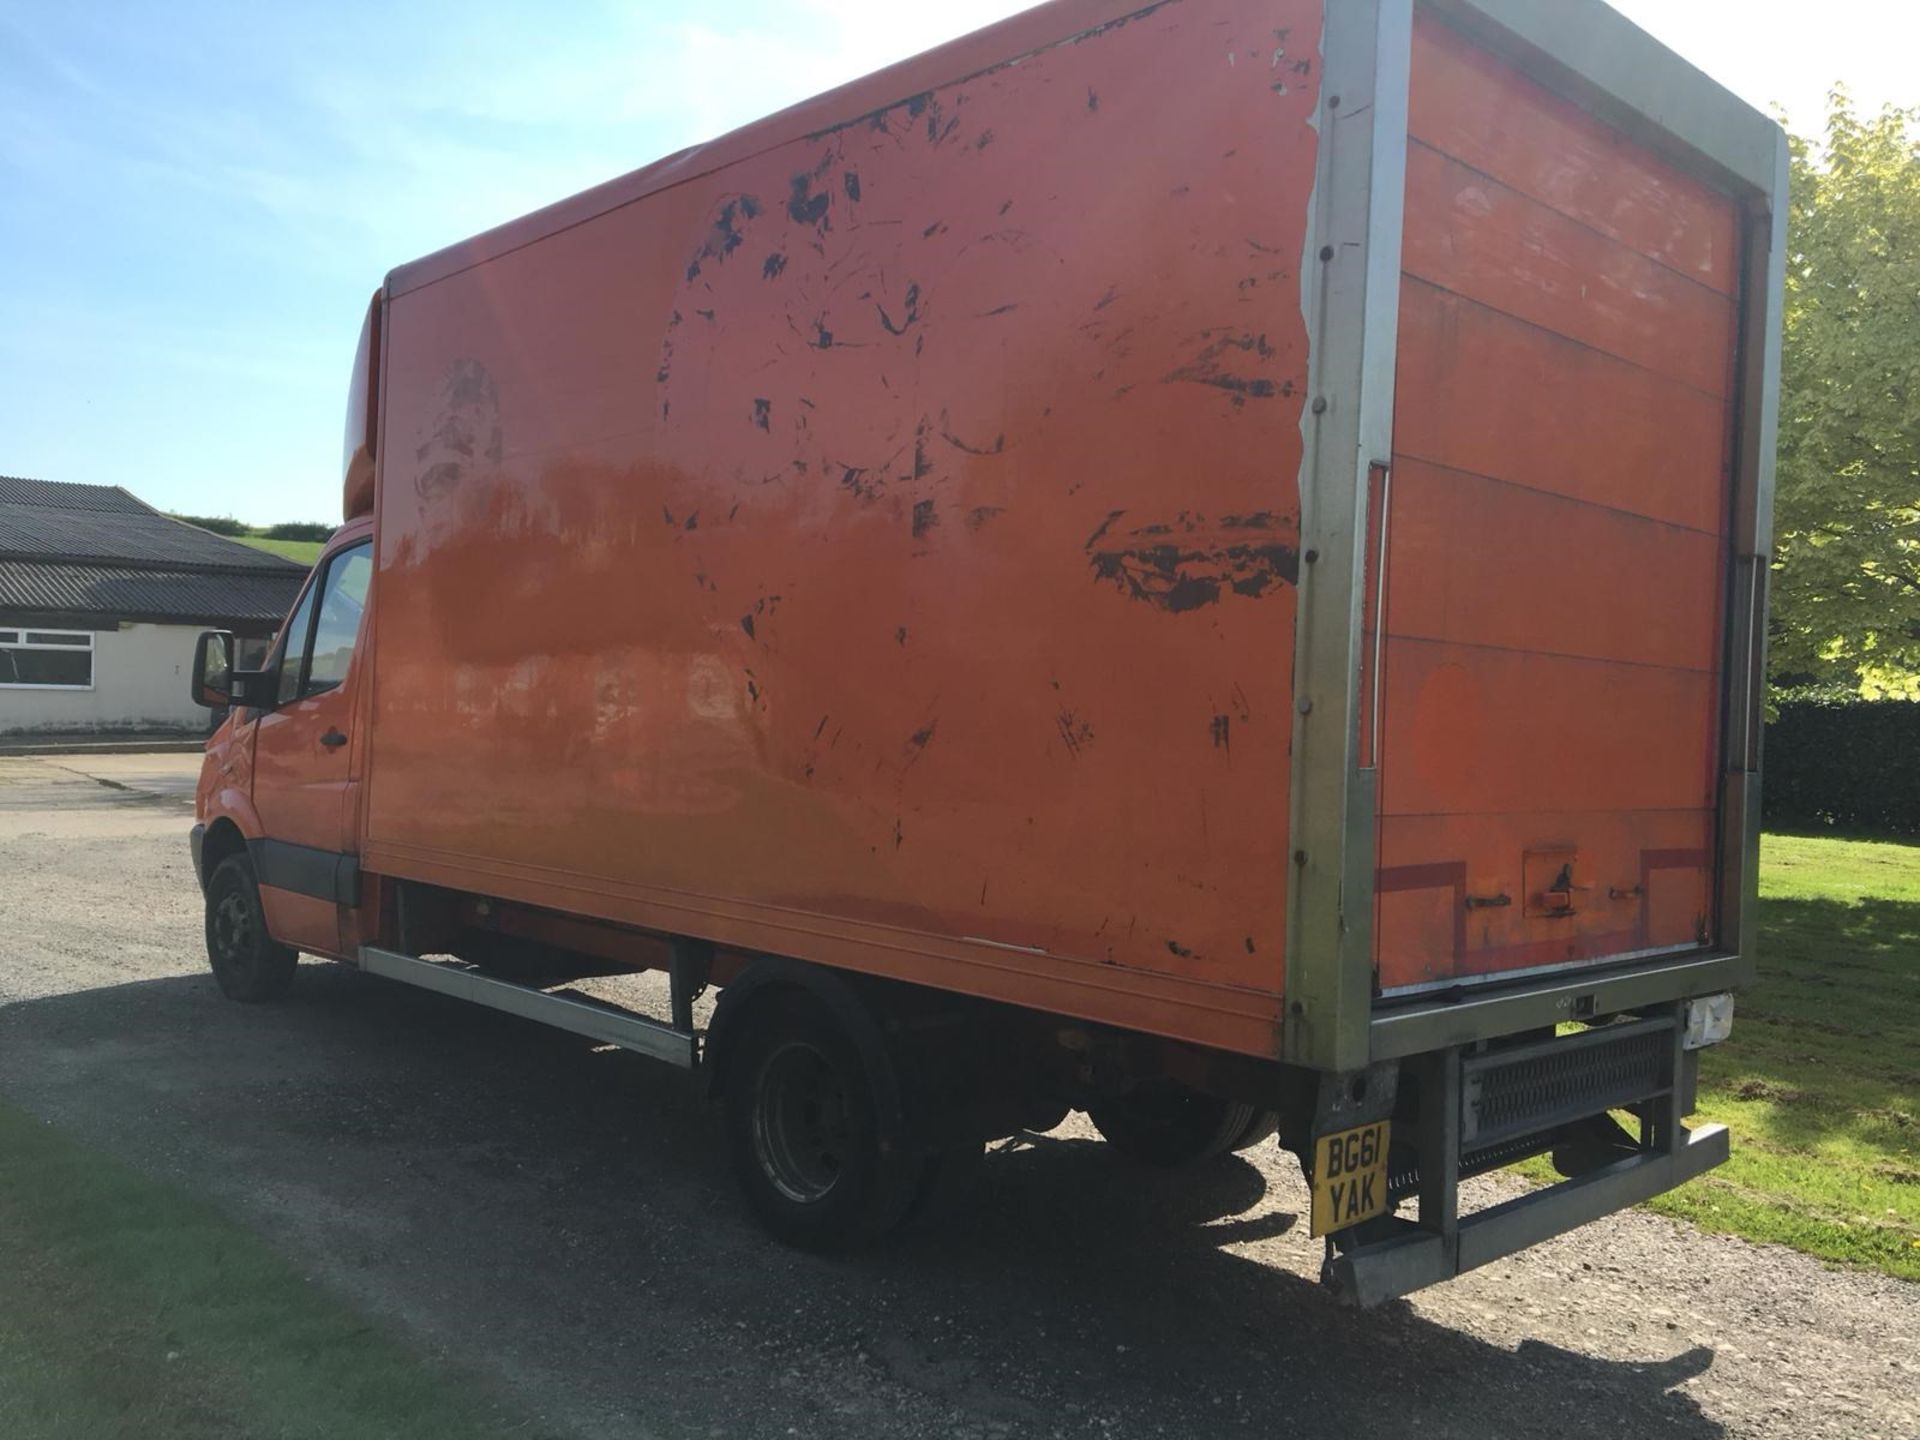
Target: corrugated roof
124	593
69	496
50	520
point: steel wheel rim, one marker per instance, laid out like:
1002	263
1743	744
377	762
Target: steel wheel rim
232	929
801	1123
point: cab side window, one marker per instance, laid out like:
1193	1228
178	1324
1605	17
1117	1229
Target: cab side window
316	649
342	603
293	646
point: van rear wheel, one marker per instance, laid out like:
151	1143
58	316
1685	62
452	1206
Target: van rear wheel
1167	1125
803	1133
248	963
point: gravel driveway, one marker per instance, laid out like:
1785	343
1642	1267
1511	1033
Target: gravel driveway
558	1221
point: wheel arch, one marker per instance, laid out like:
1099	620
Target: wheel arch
224	840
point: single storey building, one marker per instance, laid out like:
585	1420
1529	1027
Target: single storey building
101	600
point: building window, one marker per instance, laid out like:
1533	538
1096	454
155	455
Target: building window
46	660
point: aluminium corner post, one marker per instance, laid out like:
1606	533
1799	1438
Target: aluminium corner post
1763	298
1350	285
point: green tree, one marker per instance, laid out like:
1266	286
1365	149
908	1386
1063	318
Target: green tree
1846	588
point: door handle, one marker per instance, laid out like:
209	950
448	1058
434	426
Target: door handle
333	739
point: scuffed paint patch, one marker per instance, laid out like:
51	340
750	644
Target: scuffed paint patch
726	234
1191	562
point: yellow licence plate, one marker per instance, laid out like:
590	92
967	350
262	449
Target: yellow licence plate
1349	1177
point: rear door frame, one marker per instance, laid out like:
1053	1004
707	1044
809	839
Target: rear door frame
1350	282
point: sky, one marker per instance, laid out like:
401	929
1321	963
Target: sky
197	199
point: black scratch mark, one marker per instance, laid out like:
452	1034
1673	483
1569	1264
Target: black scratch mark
1105	525
910	317
925	517
746	624
763	414
775	263
981	514
998	447
1093	100
863	489
1075	733
900	635
1222	732
852	182
1178	949
1208	368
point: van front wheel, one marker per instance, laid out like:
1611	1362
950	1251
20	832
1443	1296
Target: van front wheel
248	963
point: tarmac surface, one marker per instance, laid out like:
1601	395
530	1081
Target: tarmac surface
556	1221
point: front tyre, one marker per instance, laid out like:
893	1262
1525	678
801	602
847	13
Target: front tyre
248	963
803	1134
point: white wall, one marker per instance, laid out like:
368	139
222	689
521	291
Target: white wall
139	683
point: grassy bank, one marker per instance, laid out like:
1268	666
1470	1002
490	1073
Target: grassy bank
130	1309
305	551
1820	1082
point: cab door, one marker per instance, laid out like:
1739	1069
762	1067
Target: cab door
302	761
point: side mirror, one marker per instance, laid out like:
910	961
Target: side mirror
216	683
256	689
213	669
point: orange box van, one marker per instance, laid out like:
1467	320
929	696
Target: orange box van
1201	562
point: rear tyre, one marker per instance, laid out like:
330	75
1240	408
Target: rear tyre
803	1134
1262	1125
248	963
1169	1126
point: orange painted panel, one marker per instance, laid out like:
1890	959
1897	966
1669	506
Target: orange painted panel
1472	106
1477	731
1484	393
1571	578
1486	242
881	548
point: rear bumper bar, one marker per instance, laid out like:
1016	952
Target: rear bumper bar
1388	1268
1464	1109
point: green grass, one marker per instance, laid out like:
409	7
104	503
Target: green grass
305	551
130	1309
1820	1081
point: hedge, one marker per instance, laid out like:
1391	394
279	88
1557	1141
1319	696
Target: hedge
1852	766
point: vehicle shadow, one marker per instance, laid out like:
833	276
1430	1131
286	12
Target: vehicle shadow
560	1219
